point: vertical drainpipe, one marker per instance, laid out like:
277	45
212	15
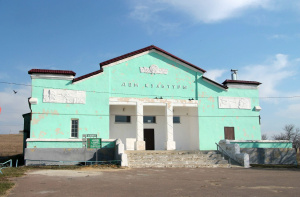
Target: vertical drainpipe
196	86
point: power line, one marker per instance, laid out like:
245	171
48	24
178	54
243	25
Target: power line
181	115
152	95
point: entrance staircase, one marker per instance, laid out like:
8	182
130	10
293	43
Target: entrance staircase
175	159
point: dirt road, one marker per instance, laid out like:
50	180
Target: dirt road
159	182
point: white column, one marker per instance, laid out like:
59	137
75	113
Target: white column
170	143
140	143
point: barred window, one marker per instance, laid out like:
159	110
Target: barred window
74	128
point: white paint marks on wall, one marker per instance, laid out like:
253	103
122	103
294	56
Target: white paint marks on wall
234	102
64	96
154	69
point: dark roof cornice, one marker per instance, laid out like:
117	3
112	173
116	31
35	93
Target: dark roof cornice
240	82
87	75
47	71
215	83
152	47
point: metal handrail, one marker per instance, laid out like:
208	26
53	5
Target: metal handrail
227	154
2	165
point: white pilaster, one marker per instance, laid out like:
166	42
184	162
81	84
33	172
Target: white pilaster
140	143
170	143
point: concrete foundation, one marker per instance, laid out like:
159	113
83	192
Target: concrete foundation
64	156
271	155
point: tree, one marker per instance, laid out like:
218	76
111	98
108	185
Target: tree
264	137
290	133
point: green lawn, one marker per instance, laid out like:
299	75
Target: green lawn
5	183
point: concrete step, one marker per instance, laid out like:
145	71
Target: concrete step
178	159
175	158
164	152
177	163
181	166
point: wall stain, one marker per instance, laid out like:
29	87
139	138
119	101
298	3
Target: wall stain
54	112
42	134
57	131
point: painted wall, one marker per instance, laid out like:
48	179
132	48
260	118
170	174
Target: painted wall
167	86
185	133
263	144
53	120
122	130
212	119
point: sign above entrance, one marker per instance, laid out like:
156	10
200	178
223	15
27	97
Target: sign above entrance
154	69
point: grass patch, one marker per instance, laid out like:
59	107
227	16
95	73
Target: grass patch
5	183
4	186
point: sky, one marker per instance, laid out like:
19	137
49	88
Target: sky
260	38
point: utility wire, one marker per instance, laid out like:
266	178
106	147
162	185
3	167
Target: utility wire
75	114
152	95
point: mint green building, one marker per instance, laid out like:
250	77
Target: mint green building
149	98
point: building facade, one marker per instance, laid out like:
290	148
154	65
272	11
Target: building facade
149	98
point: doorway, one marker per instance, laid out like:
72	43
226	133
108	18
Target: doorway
149	139
229	133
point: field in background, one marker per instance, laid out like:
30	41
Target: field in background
11	144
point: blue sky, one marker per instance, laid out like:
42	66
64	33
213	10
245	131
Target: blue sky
260	38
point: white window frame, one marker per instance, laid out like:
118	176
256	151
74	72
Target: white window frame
122	122
77	128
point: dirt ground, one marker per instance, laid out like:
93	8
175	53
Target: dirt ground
159	182
11	144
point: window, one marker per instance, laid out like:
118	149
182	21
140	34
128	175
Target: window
176	119
122	119
74	128
149	119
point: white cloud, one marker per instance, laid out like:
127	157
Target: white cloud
12	107
215	74
270	74
200	10
215	10
148	12
292	111
278	36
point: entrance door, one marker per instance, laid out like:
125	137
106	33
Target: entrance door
229	133
149	139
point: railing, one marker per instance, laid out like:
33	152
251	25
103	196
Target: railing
5	165
228	155
75	162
